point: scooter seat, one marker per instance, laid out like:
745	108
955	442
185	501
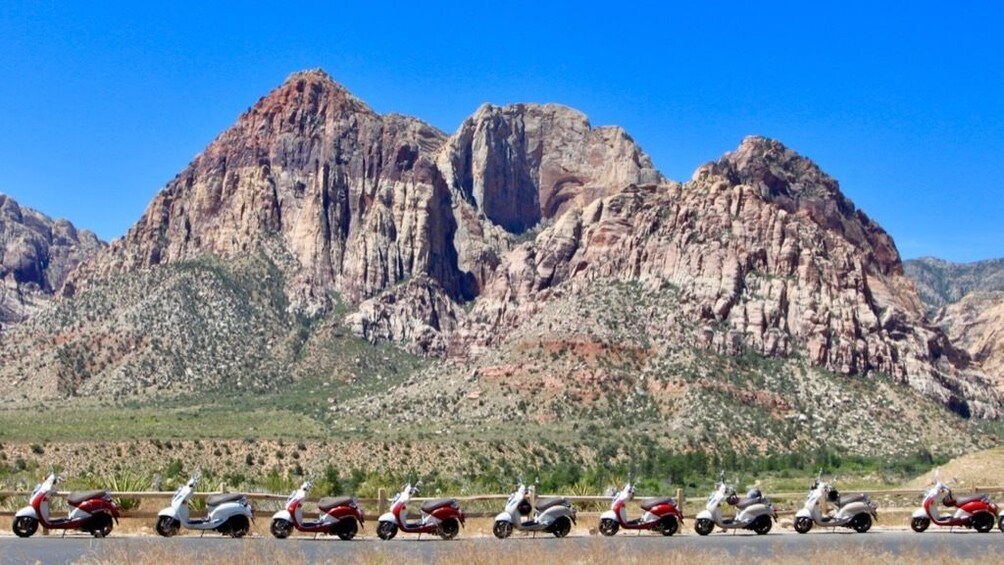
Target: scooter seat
845	500
545	503
330	502
960	500
653	502
434	504
78	498
218	499
744	503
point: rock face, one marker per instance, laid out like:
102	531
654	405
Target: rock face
940	282
769	258
967	301
454	245
36	255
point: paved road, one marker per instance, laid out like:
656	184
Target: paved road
961	544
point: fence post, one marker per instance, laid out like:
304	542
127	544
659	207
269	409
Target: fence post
533	496
381	501
679	499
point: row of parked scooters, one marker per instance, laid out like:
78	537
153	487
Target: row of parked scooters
231	514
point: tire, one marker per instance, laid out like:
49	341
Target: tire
24	526
281	528
100	525
668	525
803	525
1001	524
387	530
863	522
502	529
704	526
983	522
609	527
237	526
920	524
347	529
449	528
167	526
561	527
762	525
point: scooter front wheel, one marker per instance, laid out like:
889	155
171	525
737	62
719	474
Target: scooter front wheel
167	526
281	528
920	524
503	529
25	526
387	530
609	527
704	527
803	524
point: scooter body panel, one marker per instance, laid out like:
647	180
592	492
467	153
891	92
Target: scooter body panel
804	513
920	513
552	514
28	511
387	517
505	517
851	510
751	513
609	515
283	515
706	515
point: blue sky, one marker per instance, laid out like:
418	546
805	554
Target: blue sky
903	103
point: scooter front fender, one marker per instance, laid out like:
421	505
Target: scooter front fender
803	513
704	515
28	511
388	517
609	515
502	517
920	513
170	511
283	515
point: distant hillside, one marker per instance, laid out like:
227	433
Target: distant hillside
941	282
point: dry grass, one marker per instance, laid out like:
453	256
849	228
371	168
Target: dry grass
982	468
594	552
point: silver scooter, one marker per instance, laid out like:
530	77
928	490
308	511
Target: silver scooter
854	511
756	513
229	513
554	515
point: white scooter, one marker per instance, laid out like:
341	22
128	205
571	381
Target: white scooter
229	513
853	511
554	515
755	512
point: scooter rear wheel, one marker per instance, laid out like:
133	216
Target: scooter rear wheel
561	527
347	529
762	525
502	529
609	527
704	527
863	523
983	522
167	526
387	530
669	525
803	524
237	526
25	526
100	525
281	528
449	529
920	524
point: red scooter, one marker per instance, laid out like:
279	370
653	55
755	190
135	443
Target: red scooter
93	511
442	517
339	516
975	511
661	515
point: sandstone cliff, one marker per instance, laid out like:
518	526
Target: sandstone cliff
36	255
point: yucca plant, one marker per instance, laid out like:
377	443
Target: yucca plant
123	481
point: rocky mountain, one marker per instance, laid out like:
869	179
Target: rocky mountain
941	282
967	301
36	255
530	257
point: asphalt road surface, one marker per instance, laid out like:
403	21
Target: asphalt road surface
74	547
